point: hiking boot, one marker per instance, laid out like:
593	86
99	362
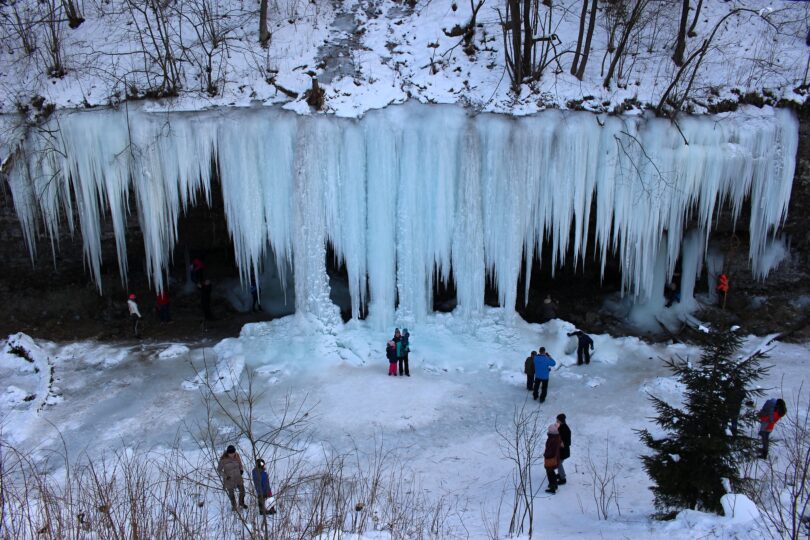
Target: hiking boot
552	491
560	482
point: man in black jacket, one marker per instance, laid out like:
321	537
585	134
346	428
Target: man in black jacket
584	346
528	369
565	450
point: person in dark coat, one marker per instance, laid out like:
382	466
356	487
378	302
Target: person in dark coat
551	457
548	310
542	367
528	369
264	494
391	354
230	471
205	299
584	346
402	353
733	407
565	449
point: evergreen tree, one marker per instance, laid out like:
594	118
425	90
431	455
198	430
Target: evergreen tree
699	450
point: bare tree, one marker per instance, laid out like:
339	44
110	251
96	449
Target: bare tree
680	41
73	14
586	50
264	34
522	445
691	32
693	63
627	30
154	29
603	482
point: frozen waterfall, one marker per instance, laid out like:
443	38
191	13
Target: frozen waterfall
410	191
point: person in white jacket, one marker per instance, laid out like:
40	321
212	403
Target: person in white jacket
134	315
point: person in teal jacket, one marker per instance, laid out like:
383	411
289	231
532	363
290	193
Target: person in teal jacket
542	367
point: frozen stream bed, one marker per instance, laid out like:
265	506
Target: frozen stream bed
441	424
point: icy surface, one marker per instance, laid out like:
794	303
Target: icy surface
409	191
466	380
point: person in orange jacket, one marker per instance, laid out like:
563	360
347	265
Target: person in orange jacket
771	412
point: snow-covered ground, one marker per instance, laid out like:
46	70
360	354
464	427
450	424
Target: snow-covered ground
371	53
442	422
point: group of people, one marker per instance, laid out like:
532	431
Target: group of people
163	303
396	350
538	364
230	471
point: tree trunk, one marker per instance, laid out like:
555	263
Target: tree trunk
587	50
680	43
691	32
628	29
517	61
579	36
528	38
264	35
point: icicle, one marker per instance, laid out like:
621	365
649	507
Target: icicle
409	191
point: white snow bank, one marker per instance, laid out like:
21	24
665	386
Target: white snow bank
173	351
739	508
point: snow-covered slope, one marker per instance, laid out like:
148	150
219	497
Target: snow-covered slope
371	53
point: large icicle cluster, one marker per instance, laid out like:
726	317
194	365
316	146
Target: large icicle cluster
409	192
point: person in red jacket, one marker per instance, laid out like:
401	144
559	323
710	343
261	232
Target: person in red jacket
771	412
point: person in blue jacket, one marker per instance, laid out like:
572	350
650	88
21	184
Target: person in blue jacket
263	492
542	367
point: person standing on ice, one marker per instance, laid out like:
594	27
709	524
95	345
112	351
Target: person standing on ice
542	368
264	495
548	310
162	305
551	457
134	315
402	352
391	354
230	471
584	346
771	412
254	294
528	369
205	299
565	448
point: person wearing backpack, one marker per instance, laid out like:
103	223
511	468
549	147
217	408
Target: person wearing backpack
771	412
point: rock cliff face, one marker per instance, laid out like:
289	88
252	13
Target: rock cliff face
55	291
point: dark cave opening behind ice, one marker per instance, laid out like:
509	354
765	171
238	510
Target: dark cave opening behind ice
413	195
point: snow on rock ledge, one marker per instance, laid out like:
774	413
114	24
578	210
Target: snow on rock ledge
409	189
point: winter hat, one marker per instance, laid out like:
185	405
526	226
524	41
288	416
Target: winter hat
552	430
260	463
231	449
132	297
561	417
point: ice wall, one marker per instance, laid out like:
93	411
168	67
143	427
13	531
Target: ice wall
410	191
